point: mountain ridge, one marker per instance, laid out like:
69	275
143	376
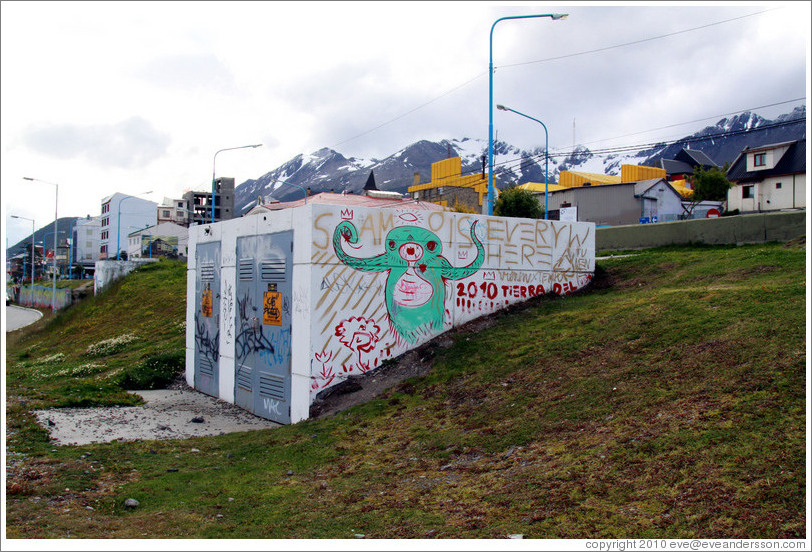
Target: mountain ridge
327	170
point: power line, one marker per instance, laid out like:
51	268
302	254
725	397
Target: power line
479	76
697	120
641	41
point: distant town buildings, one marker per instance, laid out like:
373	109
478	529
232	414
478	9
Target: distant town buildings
764	178
85	236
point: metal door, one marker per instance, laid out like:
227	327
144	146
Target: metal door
207	318
262	347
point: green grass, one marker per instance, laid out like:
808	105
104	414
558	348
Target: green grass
668	401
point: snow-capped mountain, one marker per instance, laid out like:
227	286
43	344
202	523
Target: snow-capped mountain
328	170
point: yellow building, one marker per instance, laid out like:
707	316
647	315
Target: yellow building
636	173
682	188
449	186
538	187
628	173
574	179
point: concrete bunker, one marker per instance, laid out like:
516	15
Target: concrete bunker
283	305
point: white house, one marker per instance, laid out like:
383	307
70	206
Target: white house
768	178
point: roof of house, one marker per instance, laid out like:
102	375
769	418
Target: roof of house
370	185
640	186
695	157
792	162
326	198
685	161
672	166
538	187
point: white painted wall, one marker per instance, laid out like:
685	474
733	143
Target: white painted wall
344	321
107	272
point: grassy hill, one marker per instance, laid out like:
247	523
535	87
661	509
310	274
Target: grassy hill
669	401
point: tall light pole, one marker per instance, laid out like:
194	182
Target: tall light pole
292	184
118	224
554	17
213	172
32	250
546	152
56	223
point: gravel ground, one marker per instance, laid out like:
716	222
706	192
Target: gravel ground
167	414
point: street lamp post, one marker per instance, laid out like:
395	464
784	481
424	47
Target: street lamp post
546	152
292	184
118	224
32	249
213	172
56	222
70	250
554	17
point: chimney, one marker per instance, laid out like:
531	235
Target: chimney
416	179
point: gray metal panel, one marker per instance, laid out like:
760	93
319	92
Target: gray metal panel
207	322
262	347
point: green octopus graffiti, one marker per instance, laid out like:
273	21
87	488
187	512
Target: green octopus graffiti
415	285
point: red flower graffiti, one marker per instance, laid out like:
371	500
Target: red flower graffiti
360	335
326	373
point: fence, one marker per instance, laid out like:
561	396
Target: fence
756	228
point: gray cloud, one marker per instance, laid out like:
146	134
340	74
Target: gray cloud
130	143
189	72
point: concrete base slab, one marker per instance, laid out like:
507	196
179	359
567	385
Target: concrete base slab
167	414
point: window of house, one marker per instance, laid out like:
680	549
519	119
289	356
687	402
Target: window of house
166	214
759	159
777	185
747	192
417	195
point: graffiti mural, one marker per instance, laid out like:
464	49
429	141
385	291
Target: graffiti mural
41	296
387	280
417	272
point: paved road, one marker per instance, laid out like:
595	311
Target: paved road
19	317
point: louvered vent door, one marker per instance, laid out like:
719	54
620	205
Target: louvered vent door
262	347
207	318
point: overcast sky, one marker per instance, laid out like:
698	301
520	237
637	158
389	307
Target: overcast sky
135	97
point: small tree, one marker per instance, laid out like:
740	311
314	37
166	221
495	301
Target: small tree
516	202
709	184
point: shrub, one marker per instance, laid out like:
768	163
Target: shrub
516	202
156	372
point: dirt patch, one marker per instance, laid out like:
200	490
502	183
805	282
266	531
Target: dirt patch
177	413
